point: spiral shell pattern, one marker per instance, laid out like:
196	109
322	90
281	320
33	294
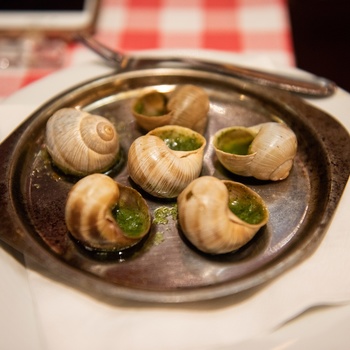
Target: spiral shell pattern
206	219
88	213
80	143
187	106
271	149
161	171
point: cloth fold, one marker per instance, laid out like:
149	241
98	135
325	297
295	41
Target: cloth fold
69	319
81	320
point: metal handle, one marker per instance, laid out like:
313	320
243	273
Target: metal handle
313	87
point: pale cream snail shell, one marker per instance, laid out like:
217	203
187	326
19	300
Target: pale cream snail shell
265	151
165	160
105	215
80	143
187	106
206	214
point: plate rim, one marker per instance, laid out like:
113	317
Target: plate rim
171	297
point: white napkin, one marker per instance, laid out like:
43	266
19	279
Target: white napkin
70	320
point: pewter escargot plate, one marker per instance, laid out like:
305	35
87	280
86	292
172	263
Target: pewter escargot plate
164	267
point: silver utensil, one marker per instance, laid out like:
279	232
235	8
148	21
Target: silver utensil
314	87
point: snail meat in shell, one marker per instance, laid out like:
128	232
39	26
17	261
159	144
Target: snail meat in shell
187	106
81	143
265	151
165	160
105	215
220	216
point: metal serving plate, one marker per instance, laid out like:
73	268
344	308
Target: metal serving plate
165	267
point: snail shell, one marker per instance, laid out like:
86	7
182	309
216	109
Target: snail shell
91	213
187	106
150	110
265	151
80	143
208	222
163	171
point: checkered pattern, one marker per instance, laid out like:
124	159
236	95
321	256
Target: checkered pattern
240	26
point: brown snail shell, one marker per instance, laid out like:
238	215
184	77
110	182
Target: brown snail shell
265	151
208	222
81	143
187	106
163	171
150	110
89	213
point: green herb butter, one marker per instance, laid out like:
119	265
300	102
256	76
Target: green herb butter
247	209
179	142
139	107
152	104
238	145
158	238
130	221
161	214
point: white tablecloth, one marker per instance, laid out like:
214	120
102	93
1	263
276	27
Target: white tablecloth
68	319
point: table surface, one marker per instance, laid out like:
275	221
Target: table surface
256	27
205	322
240	26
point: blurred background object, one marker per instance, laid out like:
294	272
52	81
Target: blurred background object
37	37
320	33
33	51
55	18
253	28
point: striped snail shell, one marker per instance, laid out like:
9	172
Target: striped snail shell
265	151
81	143
187	106
165	160
93	210
220	216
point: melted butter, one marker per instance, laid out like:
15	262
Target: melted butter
178	142
162	214
140	108
130	221
182	144
247	209
152	104
158	238
239	145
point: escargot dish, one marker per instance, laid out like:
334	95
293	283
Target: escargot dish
104	215
265	151
80	143
165	160
220	216
187	106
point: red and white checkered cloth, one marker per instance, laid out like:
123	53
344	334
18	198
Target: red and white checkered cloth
240	26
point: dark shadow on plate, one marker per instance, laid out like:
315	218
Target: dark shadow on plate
250	250
247	180
110	256
18	256
148	197
112	172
